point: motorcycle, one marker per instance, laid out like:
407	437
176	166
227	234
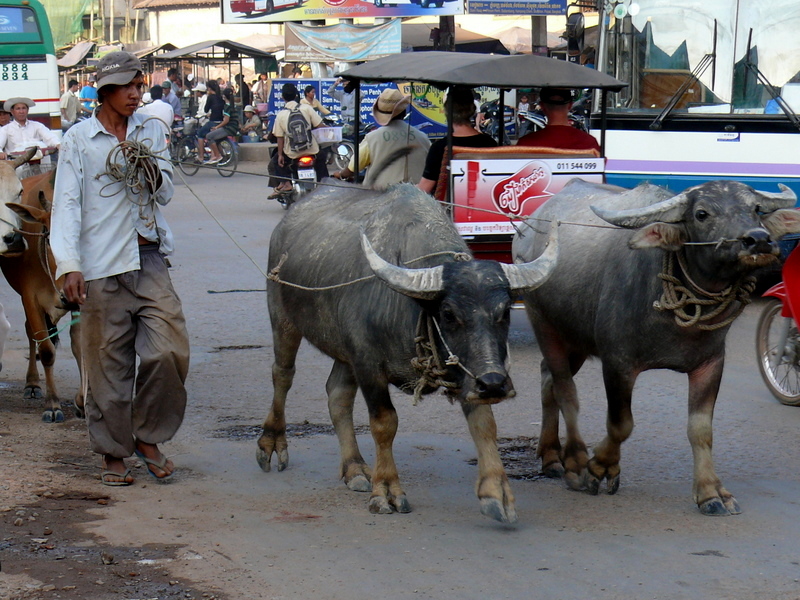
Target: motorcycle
304	180
491	120
339	153
777	337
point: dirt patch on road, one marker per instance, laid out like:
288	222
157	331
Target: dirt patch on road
49	493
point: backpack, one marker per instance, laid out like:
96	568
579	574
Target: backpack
298	131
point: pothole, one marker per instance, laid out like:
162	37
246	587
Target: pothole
519	458
251	432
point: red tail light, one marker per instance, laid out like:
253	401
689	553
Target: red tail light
306	161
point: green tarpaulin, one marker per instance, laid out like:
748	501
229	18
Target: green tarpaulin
66	18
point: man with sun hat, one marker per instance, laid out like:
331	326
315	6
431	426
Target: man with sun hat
22	133
109	239
393	134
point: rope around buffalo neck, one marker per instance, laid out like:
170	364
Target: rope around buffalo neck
432	371
677	296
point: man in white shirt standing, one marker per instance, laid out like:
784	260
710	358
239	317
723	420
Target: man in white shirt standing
109	239
21	133
70	105
159	109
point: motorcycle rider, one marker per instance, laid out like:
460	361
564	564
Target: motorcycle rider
285	155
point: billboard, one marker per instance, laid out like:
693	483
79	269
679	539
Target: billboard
535	8
341	43
279	11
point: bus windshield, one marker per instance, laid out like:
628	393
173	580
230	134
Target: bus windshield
704	56
18	24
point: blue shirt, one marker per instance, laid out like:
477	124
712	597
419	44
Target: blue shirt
89	97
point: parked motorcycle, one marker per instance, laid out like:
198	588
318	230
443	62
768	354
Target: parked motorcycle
777	337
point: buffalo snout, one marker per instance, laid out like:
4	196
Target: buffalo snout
758	241
492	387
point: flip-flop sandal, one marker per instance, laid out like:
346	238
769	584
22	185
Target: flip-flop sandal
159	464
112	482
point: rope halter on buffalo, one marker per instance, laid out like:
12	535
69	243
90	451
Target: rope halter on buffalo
677	296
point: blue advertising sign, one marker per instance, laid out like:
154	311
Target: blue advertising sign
535	8
11	19
342	42
427	113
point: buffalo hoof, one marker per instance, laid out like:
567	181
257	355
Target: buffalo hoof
53	416
359	483
612	485
574	481
80	413
32	393
591	484
401	504
555	470
713	507
378	505
263	459
492	507
733	506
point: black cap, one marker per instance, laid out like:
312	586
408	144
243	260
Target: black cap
557	96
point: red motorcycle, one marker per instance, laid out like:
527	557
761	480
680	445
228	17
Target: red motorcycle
777	337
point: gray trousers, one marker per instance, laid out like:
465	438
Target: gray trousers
124	316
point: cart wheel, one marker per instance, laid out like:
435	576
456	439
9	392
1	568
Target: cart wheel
780	373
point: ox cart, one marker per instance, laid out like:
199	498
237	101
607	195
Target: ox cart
489	188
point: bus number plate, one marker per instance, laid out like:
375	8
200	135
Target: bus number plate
14	72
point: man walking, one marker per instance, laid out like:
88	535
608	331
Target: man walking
70	105
109	239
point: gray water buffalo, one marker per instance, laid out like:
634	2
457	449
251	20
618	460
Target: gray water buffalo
659	292
389	290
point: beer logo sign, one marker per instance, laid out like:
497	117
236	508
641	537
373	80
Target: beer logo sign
531	181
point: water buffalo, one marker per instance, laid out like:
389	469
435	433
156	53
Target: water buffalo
659	292
374	316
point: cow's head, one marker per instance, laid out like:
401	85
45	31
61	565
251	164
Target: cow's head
11	240
735	228
470	302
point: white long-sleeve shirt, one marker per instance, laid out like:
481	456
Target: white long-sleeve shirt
16	138
94	224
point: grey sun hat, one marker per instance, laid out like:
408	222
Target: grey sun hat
117	68
9	104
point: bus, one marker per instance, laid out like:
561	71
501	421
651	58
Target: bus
714	92
28	60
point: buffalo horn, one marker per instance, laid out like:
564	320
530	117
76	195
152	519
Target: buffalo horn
424	284
770	202
670	210
21	160
528	276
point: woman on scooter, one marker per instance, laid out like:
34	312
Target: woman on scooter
215	106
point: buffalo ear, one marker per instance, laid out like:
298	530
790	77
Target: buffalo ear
781	222
666	236
29	214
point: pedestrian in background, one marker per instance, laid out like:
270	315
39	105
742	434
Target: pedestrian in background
70	104
88	95
347	103
109	242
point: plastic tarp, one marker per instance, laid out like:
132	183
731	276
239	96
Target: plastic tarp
66	19
75	55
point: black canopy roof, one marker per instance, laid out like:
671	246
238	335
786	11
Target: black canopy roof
443	69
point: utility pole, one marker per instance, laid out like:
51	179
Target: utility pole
539	36
445	37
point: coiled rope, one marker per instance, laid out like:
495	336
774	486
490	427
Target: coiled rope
680	297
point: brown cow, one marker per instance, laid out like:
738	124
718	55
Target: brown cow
32	275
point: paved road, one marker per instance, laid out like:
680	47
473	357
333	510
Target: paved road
300	534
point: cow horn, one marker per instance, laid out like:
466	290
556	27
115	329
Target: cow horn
670	210
21	160
771	202
528	276
424	284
